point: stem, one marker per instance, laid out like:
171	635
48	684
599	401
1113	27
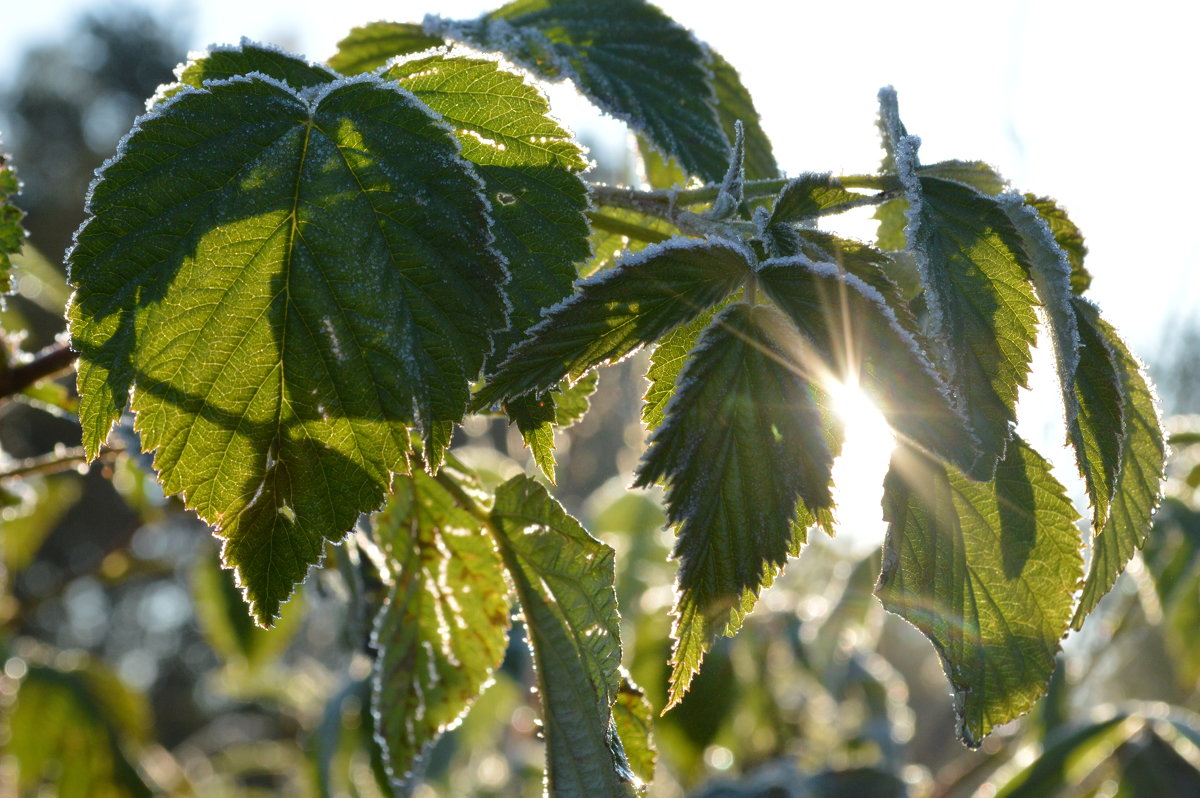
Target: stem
49	363
54	462
638	232
463	499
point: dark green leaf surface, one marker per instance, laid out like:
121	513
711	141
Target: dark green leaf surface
1068	236
369	47
626	56
807	195
564	580
536	416
288	282
859	339
734	104
71	734
444	627
976	174
666	363
222	63
741	447
618	310
12	234
530	168
987	571
635	725
1140	481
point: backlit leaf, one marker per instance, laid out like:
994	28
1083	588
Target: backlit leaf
742	445
12	234
288	281
223	63
987	571
734	104
443	628
665	364
1139	483
564	580
807	195
537	414
626	56
635	724
618	310
976	174
369	47
1068	236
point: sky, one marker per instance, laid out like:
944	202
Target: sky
1090	103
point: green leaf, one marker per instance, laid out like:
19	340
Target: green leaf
616	311
617	229
808	195
666	363
443	629
223	63
662	171
626	56
287	281
564	580
859	339
12	234
635	725
368	47
73	733
735	104
742	446
978	297
1068	236
1139	482
976	174
1070	759
536	415
530	168
987	571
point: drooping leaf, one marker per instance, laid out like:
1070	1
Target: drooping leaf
734	104
369	47
443	628
667	361
635	724
626	56
987	571
12	234
616	311
74	733
1068	236
287	281
741	447
859	339
1139	482
536	415
530	168
564	580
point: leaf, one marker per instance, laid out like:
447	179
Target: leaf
536	415
735	104
859	339
223	63
12	234
368	47
443	628
1139	482
986	571
287	281
666	363
742	446
631	60
564	580
635	724
1068	237
976	174
1070	759
617	229
808	195
73	733
530	168
616	311
662	171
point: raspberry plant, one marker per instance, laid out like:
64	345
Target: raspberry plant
301	277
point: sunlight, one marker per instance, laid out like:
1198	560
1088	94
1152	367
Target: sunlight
858	474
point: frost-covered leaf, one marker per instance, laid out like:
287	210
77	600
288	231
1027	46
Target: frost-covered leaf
618	310
667	361
635	725
661	170
1139	482
976	174
537	414
223	63
626	56
564	580
73	733
859	338
530	168
807	195
12	234
287	281
443	628
741	447
369	47
734	104
1068	236
987	571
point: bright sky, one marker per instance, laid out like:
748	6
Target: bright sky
1092	103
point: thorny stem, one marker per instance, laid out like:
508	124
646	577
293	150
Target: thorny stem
48	363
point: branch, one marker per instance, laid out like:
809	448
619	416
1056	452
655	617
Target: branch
49	363
54	462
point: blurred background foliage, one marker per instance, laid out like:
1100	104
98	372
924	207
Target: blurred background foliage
128	665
